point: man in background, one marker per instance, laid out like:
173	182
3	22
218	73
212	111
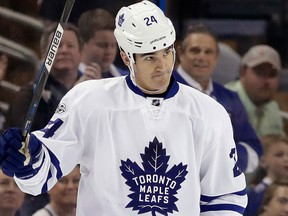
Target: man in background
198	54
257	86
100	46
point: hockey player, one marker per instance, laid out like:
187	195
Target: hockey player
146	144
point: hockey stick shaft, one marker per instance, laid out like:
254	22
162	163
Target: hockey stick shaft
46	68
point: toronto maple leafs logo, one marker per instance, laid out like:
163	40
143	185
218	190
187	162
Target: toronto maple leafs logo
121	19
154	188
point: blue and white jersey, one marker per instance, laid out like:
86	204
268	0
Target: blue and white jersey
142	156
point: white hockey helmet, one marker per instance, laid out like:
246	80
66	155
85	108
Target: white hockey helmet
143	28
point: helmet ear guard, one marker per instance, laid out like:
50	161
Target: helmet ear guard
143	28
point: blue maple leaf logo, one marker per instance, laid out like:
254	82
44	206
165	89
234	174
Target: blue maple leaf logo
121	19
153	188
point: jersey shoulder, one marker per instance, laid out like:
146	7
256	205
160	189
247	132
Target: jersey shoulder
197	98
108	92
200	105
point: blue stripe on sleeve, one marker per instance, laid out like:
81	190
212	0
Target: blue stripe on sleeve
210	198
45	187
59	173
56	163
221	207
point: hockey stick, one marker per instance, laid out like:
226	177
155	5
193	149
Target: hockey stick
44	72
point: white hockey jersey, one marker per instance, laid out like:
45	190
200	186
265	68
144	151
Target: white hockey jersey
142	156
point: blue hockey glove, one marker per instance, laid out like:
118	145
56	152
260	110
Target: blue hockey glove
15	159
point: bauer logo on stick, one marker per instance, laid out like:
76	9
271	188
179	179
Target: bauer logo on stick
46	67
54	47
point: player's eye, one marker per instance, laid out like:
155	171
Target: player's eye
168	51
149	58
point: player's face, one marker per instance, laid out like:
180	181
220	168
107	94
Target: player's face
153	70
275	161
278	206
102	49
198	56
64	193
69	53
11	196
260	82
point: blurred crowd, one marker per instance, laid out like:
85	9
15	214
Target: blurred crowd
247	86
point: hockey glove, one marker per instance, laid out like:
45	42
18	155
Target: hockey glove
15	161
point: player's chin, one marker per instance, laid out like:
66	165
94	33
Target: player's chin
163	84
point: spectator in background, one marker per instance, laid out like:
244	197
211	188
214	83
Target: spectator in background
63	76
64	72
274	167
275	201
198	55
257	86
63	196
11	197
228	64
100	46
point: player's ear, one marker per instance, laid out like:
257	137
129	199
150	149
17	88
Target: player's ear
125	58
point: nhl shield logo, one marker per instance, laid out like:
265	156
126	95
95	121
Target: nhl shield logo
154	189
156	102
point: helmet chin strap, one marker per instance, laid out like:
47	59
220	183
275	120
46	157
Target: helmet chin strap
146	91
